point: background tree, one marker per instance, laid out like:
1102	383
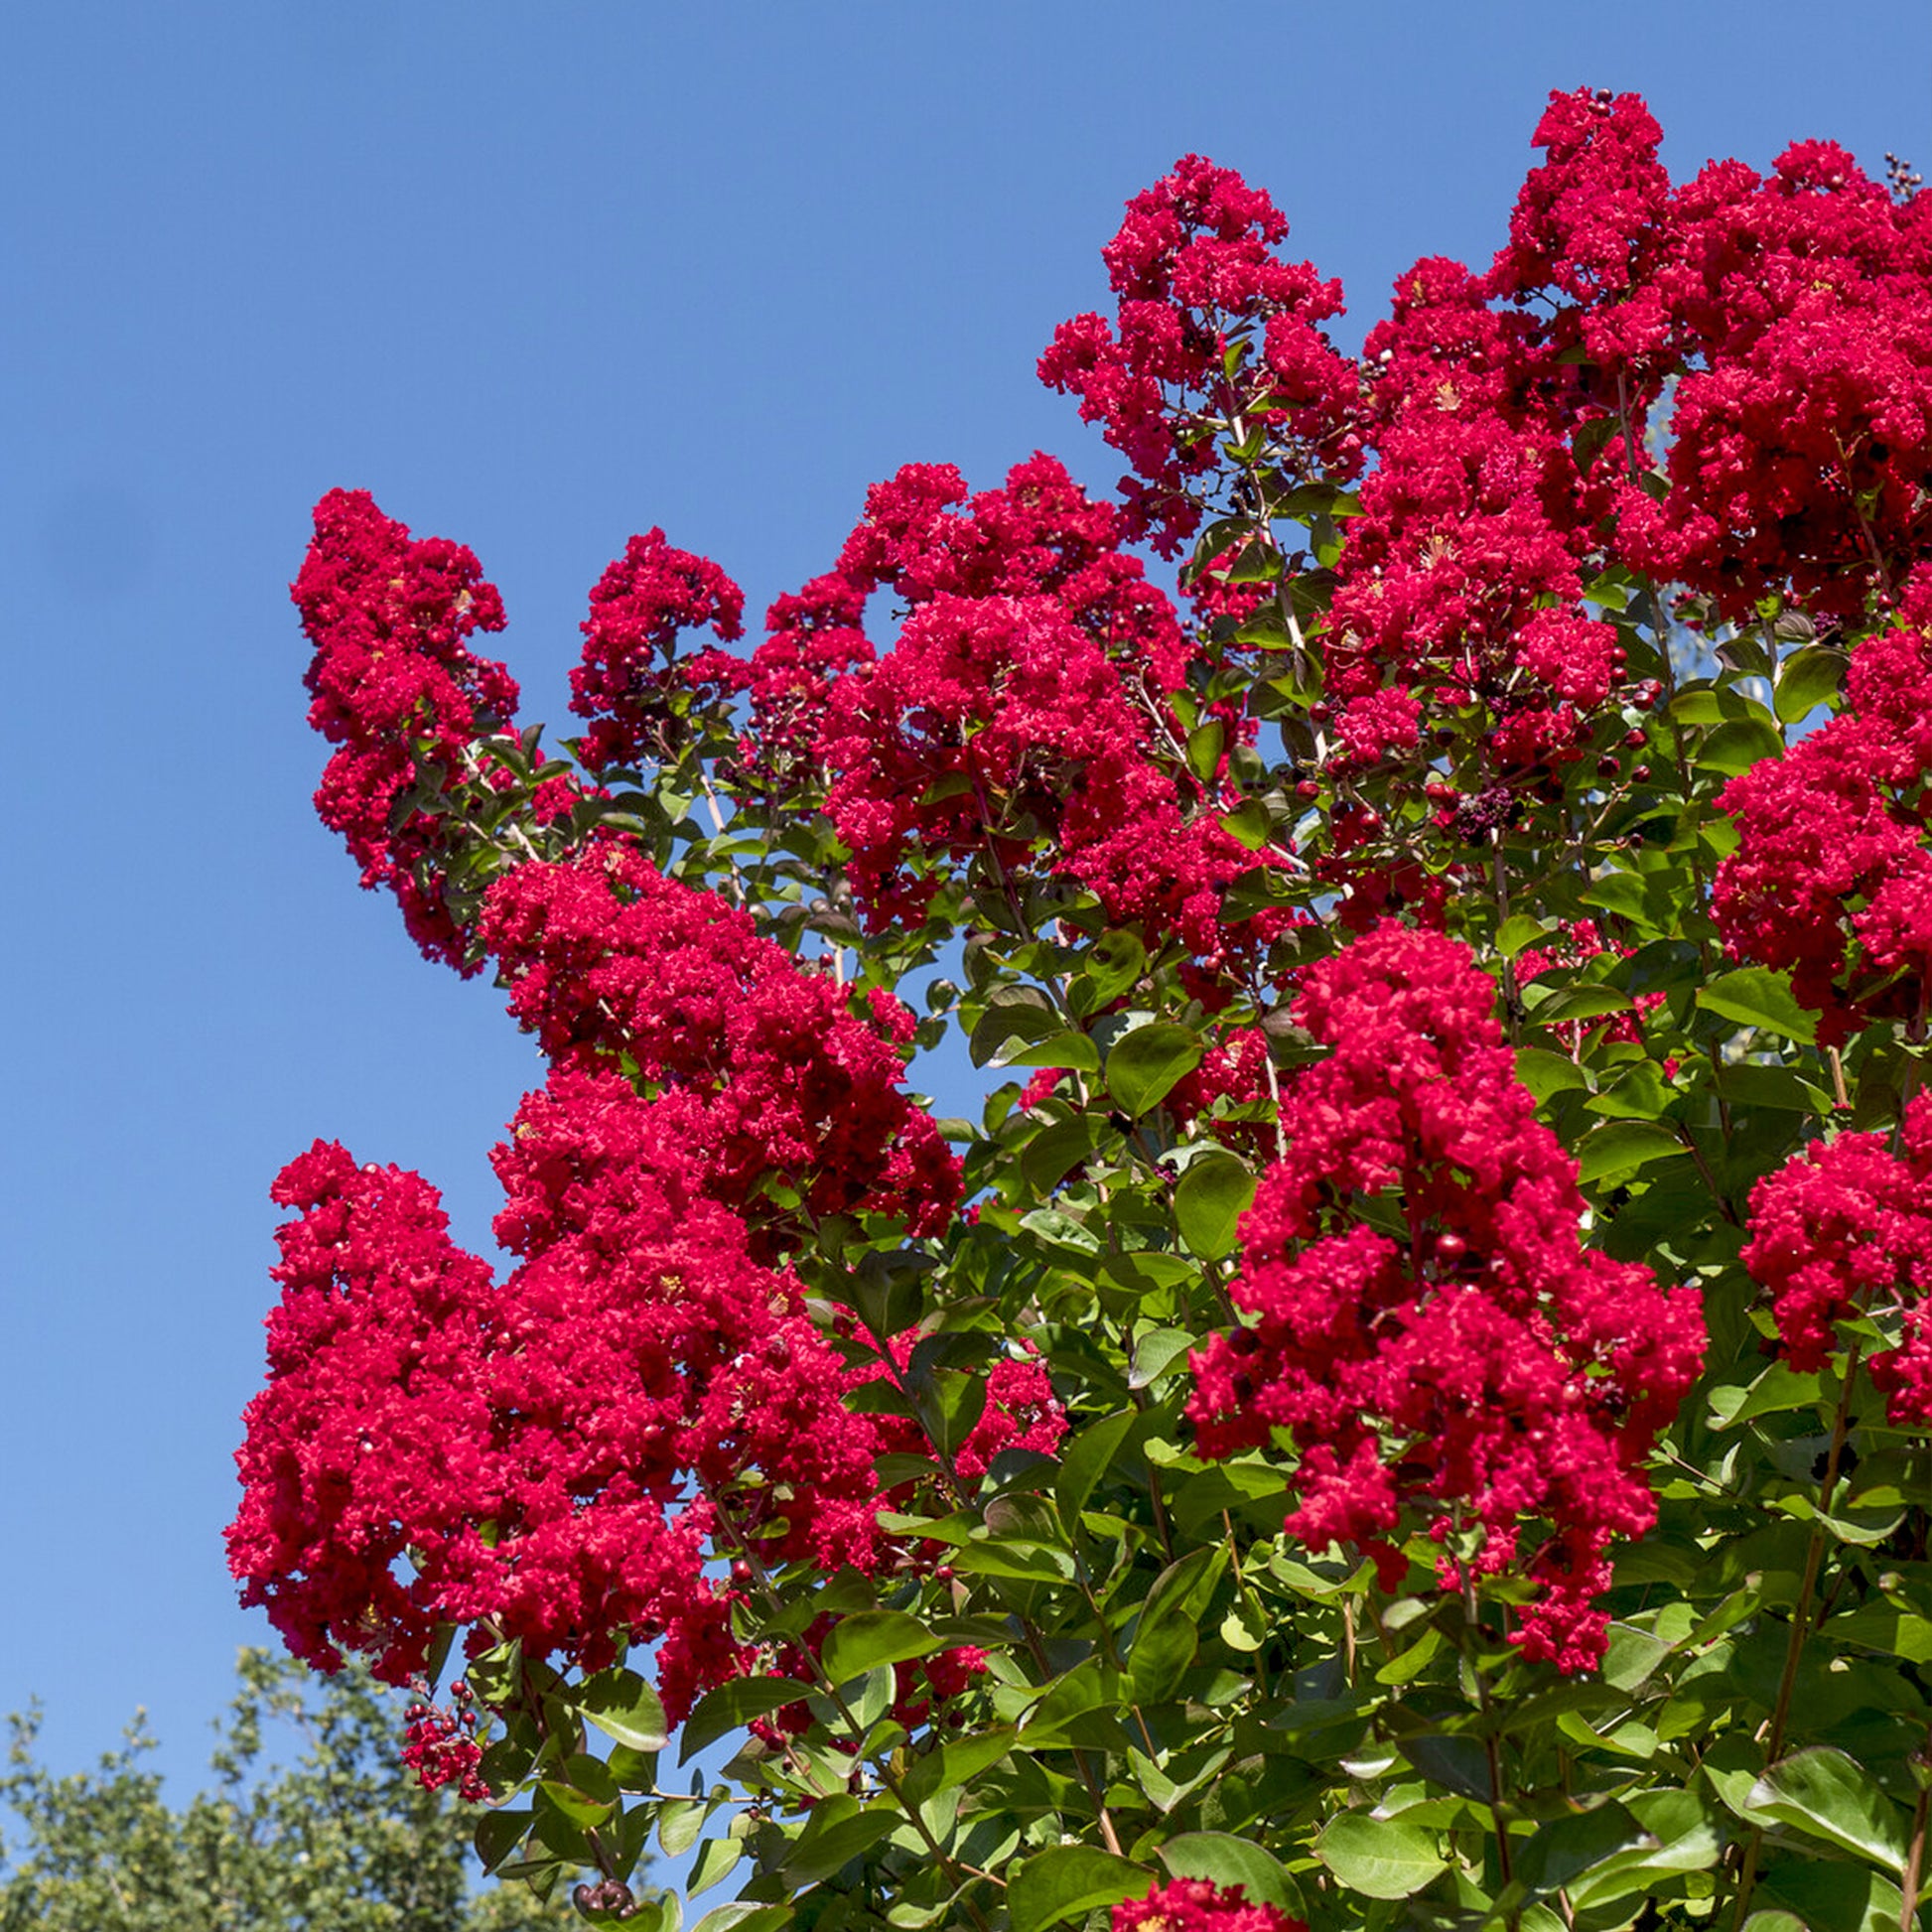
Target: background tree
344	1837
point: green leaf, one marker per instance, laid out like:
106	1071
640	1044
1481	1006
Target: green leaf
1683	1835
1738	745
498	1834
1406	1665
1145	1065
861	1642
1249	824
1116	961
733	1705
1066	1048
1625	894
837	1833
738	1916
1780	1388
1878	1627
1204	746
625	1708
1640	1094
1165	1639
1566	1847
1545	1073
956	1762
1062	1230
1224	1859
1755	996
571	1803
1826	1794
1586	1001
1209	1202
1382	1858
716	1857
1071	1878
1746	1083
1806	679
1518	931
1826	1897
1085	1460
1055	1151
679	1824
1009	1027
1142	1271
1155	1354
1621	1145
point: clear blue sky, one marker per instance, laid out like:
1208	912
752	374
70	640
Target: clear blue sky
539	275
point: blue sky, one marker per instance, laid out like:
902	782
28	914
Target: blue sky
539	276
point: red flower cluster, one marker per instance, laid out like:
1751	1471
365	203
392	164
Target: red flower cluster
1212	330
1197	1905
1832	880
1489	1371
640	606
398	694
1462	577
1024	706
440	1745
1844	1230
547	1459
610	962
1022	1413
1800	308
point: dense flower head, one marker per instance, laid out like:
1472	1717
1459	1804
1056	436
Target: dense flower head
1022	1413
925	537
608	961
397	693
1023	708
1000	720
1844	1230
550	1455
1491	1373
1210	325
1801	433
1198	1905
1462	577
813	637
640	605
1832	880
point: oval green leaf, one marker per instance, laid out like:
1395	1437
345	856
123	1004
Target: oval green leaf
1755	996
1069	1879
1826	1794
1224	1859
864	1641
1381	1857
1209	1202
625	1708
1144	1065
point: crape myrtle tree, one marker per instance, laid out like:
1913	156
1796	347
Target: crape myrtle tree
1409	1405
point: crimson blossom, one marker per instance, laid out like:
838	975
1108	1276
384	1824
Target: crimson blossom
1197	1905
398	694
1832	878
1484	1374
1843	1230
